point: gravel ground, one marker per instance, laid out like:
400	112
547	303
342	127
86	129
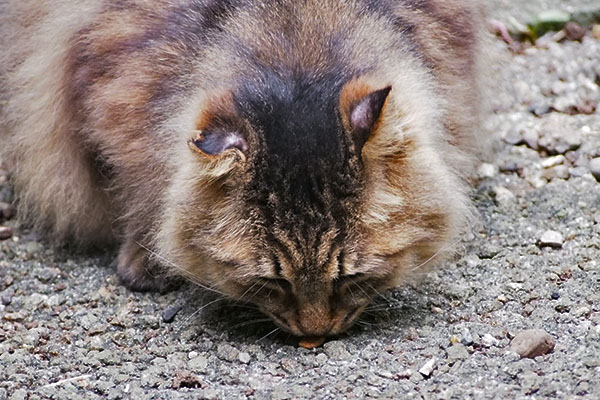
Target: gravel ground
527	10
69	330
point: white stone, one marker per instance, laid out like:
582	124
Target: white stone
244	357
486	170
552	239
504	196
427	369
553	161
595	168
488	340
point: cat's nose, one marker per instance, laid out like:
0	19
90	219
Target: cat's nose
315	321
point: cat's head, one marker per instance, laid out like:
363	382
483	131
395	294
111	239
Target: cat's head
308	197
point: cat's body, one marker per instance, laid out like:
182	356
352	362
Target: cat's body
301	155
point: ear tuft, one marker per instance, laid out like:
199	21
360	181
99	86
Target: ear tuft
361	108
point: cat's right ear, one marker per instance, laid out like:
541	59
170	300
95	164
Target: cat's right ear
219	129
361	108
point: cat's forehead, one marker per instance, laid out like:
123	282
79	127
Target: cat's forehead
306	179
301	144
295	114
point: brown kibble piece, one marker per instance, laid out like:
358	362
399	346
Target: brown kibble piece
532	343
574	31
312	342
5	232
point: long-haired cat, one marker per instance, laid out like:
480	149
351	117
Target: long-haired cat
299	154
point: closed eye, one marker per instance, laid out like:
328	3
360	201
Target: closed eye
279	284
345	280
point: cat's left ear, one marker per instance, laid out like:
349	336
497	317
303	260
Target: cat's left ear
219	129
361	107
215	142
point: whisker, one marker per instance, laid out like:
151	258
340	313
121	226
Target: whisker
363	323
435	255
357	284
376	291
253	293
251	322
387	308
351	292
247	290
371	324
244	306
269	334
178	268
184	322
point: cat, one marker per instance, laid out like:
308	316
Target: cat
301	155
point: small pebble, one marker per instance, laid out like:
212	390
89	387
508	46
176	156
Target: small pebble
185	379
539	108
596	31
33	248
556	135
578	172
227	352
531	139
6	300
595	168
532	343
509	167
582	311
487	170
557	172
488	340
336	350
457	352
7	211
5	232
169	314
47	275
504	197
551	239
553	161
574	31
244	357
198	363
467	338
427	369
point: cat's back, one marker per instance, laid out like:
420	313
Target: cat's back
87	76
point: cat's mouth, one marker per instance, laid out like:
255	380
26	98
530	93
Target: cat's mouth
339	322
312	313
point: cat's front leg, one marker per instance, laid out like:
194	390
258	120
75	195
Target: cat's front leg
139	272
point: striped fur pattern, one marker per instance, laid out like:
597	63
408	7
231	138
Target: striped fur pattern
219	140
